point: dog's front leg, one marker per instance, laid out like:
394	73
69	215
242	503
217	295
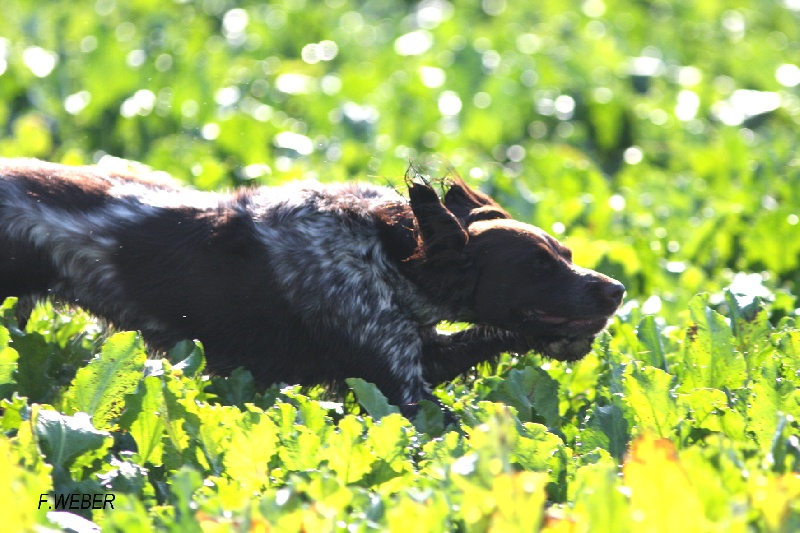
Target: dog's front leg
383	348
447	356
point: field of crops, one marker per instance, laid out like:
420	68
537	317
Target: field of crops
659	140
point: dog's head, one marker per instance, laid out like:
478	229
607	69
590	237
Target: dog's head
516	276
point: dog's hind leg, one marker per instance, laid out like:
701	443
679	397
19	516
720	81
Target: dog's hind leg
24	270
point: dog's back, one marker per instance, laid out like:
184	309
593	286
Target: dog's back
268	278
304	283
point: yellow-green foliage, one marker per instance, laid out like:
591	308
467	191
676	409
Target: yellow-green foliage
658	139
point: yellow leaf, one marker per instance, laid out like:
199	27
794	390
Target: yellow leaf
661	492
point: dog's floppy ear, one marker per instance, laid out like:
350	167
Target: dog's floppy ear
470	205
439	230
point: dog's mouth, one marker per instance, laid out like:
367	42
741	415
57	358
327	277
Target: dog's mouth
592	323
566	338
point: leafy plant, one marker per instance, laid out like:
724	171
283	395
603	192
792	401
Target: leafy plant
657	139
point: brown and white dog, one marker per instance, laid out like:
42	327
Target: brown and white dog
304	283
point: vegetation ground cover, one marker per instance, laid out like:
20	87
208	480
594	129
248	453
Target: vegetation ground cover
657	139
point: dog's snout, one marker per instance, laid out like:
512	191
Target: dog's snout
613	290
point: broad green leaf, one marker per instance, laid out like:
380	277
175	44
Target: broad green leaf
237	389
313	415
520	499
130	514
784	453
188	357
752	329
768	398
143	419
410	509
709	357
648	391
8	308
100	387
34	364
389	440
606	428
438	454
430	419
537	449
214	434
371	399
124	477
533	393
709	409
15	411
184	483
776	497
253	444
300	452
63	439
788	344
717	483
347	452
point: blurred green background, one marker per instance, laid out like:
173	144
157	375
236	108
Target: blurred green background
657	138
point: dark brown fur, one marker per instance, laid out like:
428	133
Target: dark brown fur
303	283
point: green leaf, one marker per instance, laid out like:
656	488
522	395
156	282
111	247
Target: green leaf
346	451
8	365
599	500
184	483
371	399
710	360
65	438
237	389
188	357
769	398
15	411
27	485
214	433
752	329
650	339
708	409
8	312
649	393
36	357
253	444
606	428
142	418
300	452
533	393
124	477
430	418
389	440
538	449
100	387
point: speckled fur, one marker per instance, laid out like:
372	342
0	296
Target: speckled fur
304	283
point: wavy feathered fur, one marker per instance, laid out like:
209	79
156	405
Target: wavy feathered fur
304	283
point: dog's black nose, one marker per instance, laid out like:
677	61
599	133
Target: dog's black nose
614	290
